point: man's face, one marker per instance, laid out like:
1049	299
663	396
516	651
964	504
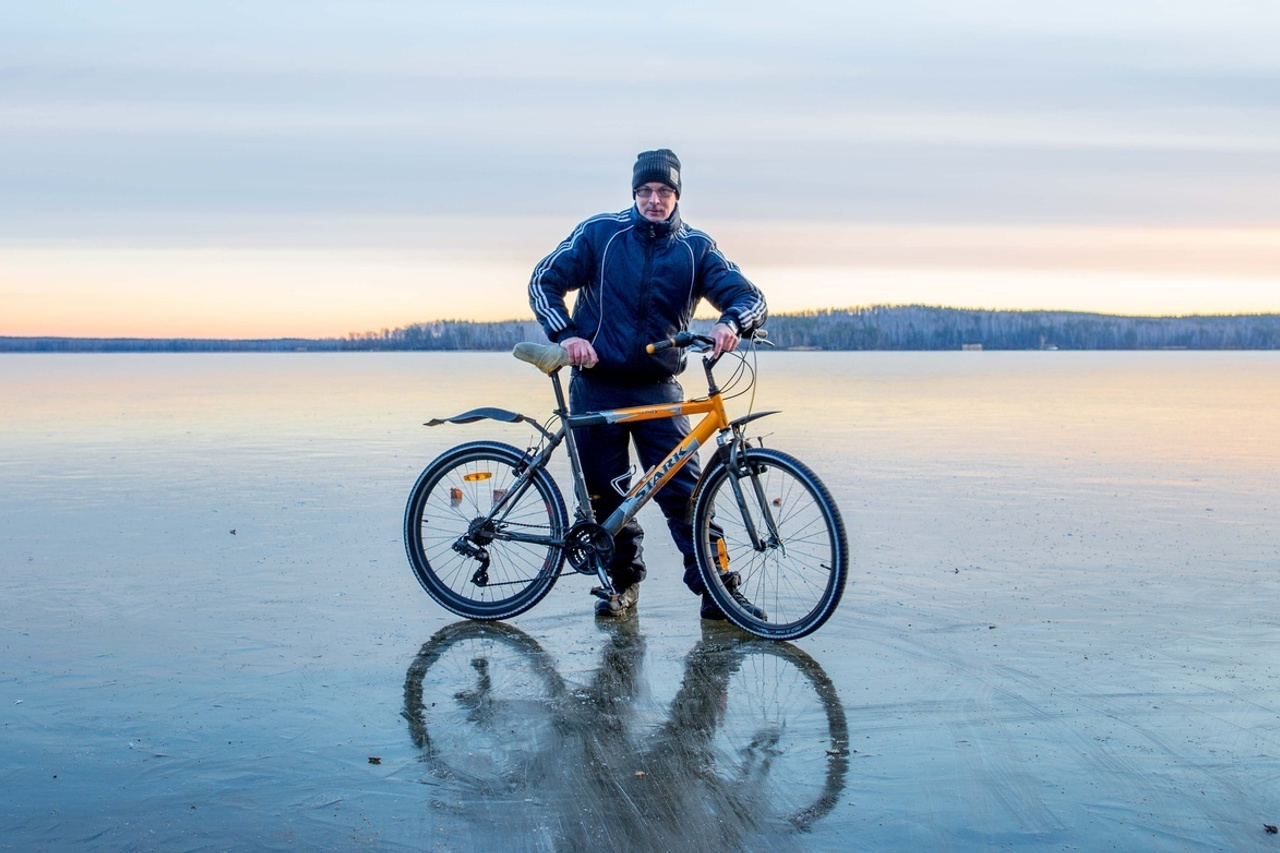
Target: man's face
655	201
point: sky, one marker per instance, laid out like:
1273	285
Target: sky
279	168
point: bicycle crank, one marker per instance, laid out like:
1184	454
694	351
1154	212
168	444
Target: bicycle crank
589	549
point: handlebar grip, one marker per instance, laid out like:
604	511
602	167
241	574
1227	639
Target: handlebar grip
680	339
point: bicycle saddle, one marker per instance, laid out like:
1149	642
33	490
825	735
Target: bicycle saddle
546	357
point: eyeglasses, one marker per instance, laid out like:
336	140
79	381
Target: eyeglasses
663	193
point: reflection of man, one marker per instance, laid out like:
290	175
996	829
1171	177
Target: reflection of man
639	274
730	768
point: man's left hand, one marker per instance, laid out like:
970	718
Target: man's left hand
726	340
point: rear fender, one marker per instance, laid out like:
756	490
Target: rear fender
491	414
485	413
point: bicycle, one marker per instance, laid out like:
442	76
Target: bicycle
487	533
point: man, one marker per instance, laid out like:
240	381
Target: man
639	274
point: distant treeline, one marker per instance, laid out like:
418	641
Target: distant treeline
905	327
921	327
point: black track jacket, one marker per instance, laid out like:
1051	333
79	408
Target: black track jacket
638	282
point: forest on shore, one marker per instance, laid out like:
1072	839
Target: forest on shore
899	327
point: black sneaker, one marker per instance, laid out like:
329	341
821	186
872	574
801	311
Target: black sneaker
620	603
711	610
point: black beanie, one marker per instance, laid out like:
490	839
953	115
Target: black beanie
662	166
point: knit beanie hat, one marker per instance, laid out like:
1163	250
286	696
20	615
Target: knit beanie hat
662	166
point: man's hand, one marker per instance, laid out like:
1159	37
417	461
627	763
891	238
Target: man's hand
581	352
726	340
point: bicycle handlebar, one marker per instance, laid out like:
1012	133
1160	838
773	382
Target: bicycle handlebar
684	339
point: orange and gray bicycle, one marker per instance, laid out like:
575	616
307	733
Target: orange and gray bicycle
487	533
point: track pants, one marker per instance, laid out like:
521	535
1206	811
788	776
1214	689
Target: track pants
606	464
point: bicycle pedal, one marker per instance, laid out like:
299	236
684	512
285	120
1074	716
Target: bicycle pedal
603	593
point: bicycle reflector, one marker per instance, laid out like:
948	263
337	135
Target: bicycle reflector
476	477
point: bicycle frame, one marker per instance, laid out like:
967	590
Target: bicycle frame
715	423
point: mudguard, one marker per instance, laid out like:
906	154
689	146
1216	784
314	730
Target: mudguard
751	417
485	413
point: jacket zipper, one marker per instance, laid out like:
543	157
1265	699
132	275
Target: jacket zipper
646	287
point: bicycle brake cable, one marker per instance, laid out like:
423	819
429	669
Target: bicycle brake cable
742	370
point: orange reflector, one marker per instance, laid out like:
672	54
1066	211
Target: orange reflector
479	475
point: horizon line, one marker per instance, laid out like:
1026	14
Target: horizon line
526	320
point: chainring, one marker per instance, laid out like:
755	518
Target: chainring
588	546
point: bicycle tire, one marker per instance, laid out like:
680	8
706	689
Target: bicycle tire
458	489
800	576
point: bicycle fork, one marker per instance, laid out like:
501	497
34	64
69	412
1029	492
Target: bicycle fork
739	470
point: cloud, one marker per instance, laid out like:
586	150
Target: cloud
249	126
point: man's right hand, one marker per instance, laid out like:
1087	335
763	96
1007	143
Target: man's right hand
581	352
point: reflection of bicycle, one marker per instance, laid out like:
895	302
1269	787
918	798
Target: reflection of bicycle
487	533
754	744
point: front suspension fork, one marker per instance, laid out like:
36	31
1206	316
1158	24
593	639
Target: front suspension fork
738	471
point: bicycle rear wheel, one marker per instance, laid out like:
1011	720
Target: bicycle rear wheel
462	550
770	531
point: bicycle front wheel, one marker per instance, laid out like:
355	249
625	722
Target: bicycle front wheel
767	531
481	544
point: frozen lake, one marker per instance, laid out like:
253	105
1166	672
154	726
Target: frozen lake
1062	629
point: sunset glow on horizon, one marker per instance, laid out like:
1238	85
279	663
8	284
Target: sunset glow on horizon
314	292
